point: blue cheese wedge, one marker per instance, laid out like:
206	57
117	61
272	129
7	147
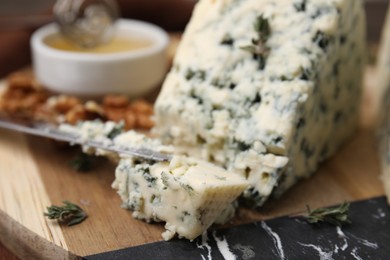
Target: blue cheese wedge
187	193
265	88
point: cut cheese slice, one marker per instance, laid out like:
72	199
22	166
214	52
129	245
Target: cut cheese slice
188	194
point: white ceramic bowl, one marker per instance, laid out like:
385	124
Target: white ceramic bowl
133	72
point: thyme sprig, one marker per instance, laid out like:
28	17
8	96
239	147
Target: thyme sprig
70	213
335	216
258	45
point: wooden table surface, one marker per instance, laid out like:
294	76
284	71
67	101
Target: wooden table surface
17	41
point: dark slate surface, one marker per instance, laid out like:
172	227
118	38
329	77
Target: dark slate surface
368	237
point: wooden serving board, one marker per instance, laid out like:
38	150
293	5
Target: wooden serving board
35	173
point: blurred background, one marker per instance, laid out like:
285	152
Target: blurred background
19	18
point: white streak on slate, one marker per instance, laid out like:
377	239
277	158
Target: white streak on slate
206	246
355	255
366	242
275	237
223	247
341	234
322	254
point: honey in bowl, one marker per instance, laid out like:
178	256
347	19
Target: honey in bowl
117	44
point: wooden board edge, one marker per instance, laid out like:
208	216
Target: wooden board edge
25	244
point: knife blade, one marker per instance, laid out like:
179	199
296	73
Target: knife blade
48	131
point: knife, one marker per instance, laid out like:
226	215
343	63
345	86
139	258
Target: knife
48	131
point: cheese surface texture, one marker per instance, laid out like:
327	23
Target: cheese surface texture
186	193
265	88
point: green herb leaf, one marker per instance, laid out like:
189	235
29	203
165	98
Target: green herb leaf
69	213
117	130
249	48
258	46
81	163
262	27
335	216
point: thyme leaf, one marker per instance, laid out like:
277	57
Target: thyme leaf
262	27
336	216
249	48
81	163
69	213
116	130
